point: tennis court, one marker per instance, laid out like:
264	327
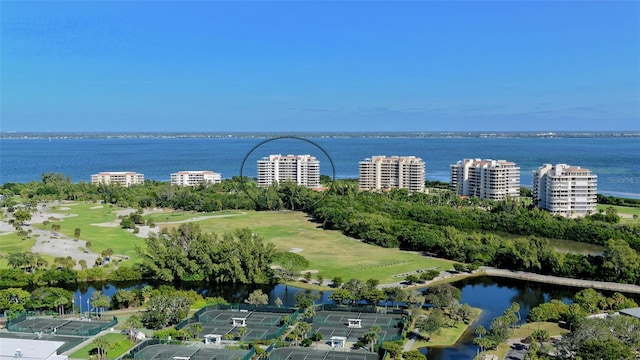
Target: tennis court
300	354
256	319
366	319
251	334
180	352
60	326
258	325
353	325
222	317
351	334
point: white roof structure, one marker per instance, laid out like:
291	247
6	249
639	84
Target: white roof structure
29	349
635	312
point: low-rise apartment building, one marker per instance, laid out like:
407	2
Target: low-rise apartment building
124	178
565	190
486	178
193	178
394	172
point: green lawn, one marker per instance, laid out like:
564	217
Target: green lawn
12	243
625	212
118	345
447	336
121	241
177	215
328	251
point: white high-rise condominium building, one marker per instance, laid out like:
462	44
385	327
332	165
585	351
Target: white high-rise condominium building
193	178
399	172
124	178
486	179
301	169
565	190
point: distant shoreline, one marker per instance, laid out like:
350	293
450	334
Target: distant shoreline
26	135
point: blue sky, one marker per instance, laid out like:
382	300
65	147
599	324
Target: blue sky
319	66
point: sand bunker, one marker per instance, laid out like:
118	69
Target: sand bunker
296	250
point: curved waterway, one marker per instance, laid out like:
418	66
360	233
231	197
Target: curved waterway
492	295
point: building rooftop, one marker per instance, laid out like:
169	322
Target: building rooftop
635	312
29	349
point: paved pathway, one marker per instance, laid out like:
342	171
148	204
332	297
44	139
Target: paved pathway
410	340
548	279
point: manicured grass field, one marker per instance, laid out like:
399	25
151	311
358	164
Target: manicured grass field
121	241
171	216
118	345
329	252
625	212
12	243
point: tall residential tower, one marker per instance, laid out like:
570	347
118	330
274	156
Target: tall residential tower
486	179
301	169
565	190
401	172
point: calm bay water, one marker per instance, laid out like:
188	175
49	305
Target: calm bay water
615	160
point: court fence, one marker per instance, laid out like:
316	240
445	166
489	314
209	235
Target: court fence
368	309
136	349
17	319
236	307
14	326
131	354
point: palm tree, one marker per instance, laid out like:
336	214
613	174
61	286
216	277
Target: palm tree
100	301
301	330
371	336
100	344
195	329
60	303
242	332
133	323
480	331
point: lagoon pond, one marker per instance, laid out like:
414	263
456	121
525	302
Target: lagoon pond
492	295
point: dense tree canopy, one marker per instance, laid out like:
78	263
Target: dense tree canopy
464	230
187	254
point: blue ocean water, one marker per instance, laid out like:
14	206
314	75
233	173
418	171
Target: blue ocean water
616	160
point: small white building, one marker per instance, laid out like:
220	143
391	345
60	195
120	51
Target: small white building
195	177
124	178
213	339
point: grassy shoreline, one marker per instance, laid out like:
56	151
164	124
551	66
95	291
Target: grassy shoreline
447	336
